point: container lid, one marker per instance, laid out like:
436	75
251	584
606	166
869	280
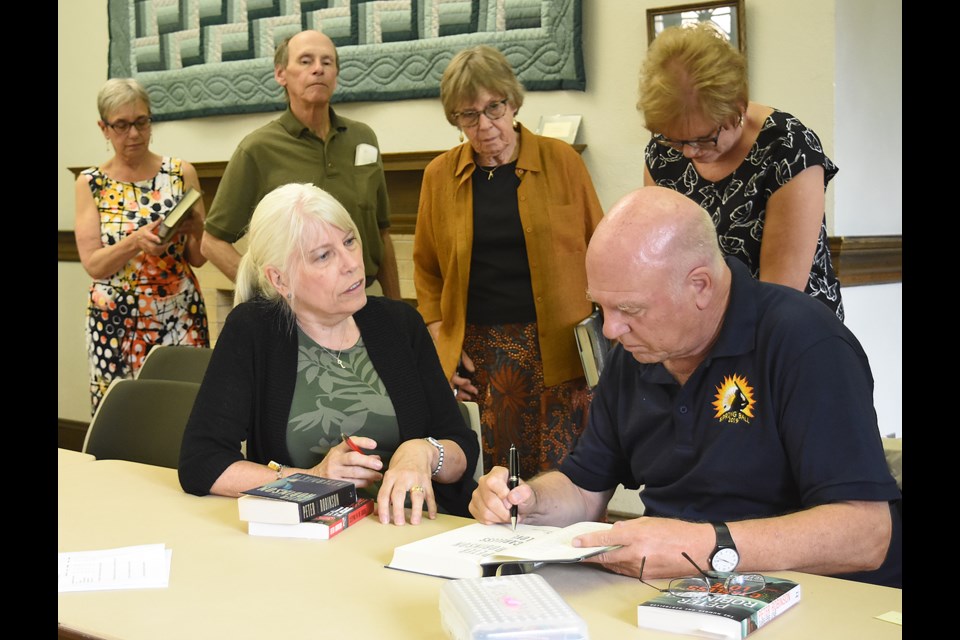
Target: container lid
515	607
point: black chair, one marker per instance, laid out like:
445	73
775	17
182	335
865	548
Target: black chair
141	421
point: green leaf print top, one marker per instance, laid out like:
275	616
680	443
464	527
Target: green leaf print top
330	400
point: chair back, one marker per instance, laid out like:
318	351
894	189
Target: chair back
175	362
141	421
471	415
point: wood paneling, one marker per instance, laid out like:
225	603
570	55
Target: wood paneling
863	260
71	434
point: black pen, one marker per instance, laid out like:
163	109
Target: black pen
513	481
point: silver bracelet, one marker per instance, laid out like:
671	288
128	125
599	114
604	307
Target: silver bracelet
439	447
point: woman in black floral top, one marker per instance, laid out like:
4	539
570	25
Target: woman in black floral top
759	172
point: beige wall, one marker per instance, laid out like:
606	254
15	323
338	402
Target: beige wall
793	56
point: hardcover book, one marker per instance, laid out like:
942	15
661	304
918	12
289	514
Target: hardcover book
477	550
323	527
719	615
294	499
592	345
177	216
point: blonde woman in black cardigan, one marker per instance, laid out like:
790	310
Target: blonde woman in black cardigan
306	358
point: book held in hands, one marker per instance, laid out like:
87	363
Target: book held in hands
593	346
715	615
294	499
322	527
477	550
178	215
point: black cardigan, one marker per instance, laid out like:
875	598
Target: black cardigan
249	385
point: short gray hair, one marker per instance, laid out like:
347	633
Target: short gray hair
474	70
119	92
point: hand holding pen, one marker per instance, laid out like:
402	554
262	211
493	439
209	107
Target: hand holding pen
513	481
352	444
340	463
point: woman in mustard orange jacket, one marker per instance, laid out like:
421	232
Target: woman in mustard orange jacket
502	229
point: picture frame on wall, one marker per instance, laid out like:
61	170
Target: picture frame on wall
562	127
729	16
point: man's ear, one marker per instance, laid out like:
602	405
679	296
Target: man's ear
279	74
701	281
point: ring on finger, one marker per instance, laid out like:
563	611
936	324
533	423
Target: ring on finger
417	489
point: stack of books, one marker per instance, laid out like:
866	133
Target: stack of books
302	506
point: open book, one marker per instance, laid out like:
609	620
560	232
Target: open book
177	215
477	550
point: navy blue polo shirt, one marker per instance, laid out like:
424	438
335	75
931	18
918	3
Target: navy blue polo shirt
779	417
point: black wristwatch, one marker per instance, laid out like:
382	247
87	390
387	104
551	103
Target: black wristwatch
725	556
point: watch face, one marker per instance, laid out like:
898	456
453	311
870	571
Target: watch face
725	560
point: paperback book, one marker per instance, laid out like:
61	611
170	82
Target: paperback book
477	550
294	499
322	527
719	615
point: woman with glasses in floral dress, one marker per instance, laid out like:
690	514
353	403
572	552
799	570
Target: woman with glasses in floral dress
502	232
144	291
759	172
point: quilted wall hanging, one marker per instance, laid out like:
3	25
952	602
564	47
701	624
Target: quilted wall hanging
212	57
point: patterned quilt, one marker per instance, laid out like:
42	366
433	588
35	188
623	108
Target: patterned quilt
207	57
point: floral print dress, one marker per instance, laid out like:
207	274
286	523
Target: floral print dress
151	299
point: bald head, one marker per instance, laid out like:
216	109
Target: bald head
655	267
657	228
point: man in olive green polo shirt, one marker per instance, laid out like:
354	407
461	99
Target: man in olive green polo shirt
308	143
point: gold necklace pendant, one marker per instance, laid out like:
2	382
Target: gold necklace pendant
489	172
335	356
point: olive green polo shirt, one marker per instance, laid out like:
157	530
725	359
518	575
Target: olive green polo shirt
285	151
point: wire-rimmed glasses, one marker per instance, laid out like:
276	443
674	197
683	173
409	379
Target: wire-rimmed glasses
709	583
493	111
123	126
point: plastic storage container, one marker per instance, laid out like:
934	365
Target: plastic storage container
520	607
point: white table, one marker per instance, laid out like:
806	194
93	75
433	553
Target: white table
226	584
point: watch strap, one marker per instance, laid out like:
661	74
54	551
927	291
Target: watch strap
724	542
724	539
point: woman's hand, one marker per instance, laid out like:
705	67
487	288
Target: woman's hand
410	472
343	463
462	385
102	261
190	227
147	240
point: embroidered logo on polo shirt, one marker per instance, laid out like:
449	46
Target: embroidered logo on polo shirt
735	400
